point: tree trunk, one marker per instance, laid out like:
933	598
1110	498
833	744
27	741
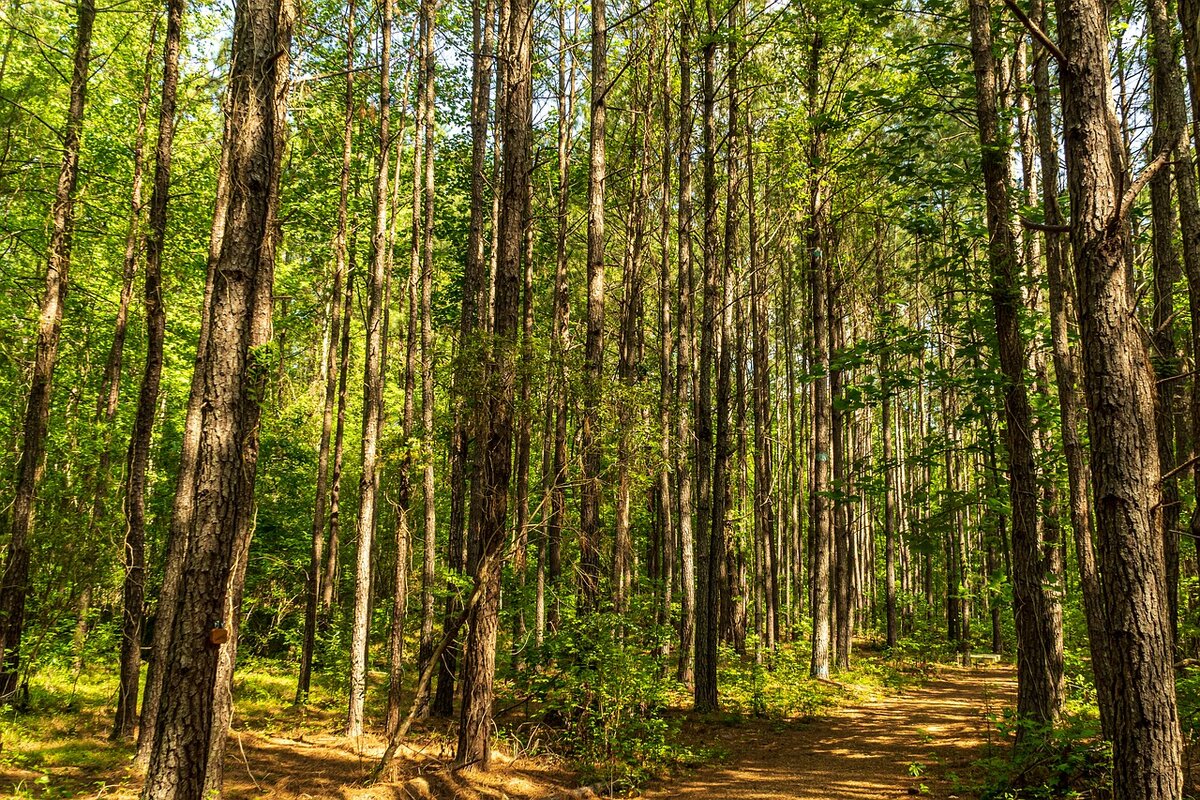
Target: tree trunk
591	489
764	456
474	746
708	558
683	381
368	486
822	512
332	372
231	388
14	585
1040	684
1120	393
134	584
426	119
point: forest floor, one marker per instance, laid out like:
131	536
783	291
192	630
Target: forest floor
921	741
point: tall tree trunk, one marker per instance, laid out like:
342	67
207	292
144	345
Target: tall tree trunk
1066	368
134	584
764	456
1168	134
1120	393
474	746
183	508
232	386
332	372
683	379
590	491
822	511
329	583
1038	621
708	558
368	486
886	434
426	118
1171	117
841	477
466	376
14	584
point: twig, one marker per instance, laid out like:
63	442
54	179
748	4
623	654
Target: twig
246	763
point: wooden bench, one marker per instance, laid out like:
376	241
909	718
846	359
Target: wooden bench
980	659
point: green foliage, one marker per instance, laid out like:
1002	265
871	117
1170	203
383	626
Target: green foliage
1067	761
603	686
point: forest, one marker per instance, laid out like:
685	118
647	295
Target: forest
510	399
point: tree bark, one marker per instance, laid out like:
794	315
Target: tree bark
474	745
683	380
231	388
1120	393
591	489
822	511
134	583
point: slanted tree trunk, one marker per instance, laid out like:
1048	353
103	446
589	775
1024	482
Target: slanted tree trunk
332	372
474	745
1120	395
1038	621
14	584
368	486
233	376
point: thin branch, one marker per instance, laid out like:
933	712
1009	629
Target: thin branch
1147	175
1044	227
1036	32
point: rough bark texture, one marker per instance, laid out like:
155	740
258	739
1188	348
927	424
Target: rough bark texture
474	735
466	377
590	491
134	584
1120	394
233	375
708	559
683	381
822	511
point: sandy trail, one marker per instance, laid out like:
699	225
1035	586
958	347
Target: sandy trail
863	752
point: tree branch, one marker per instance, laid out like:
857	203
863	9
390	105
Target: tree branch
1044	227
1037	33
1147	175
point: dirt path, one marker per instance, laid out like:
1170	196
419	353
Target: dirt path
860	753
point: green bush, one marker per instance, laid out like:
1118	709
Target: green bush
602	686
